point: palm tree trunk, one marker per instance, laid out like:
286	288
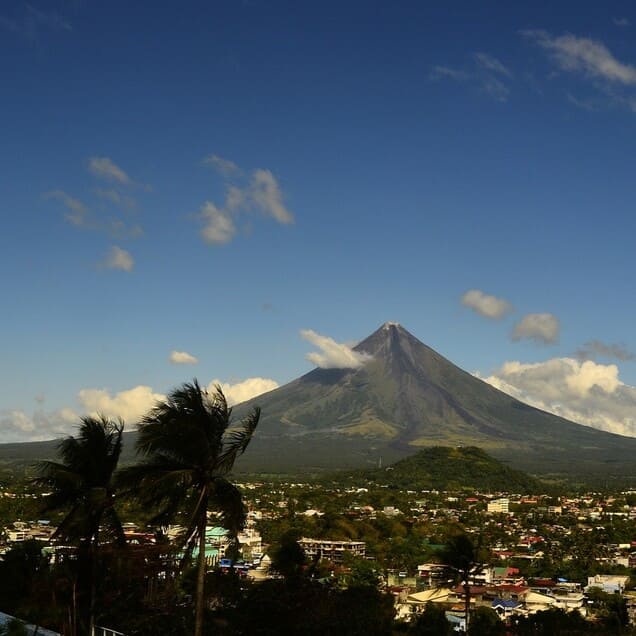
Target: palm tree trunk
93	592
466	602
201	567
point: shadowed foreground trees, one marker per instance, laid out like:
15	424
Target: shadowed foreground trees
82	483
189	446
431	622
306	607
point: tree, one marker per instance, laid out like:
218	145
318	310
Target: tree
431	622
486	622
461	555
83	483
288	557
189	446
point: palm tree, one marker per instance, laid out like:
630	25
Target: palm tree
189	446
461	555
82	482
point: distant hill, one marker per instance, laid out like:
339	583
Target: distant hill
446	468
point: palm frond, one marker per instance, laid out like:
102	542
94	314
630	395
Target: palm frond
83	479
188	424
227	499
236	441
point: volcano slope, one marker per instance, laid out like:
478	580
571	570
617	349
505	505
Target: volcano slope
407	396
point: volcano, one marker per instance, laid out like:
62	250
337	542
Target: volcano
407	396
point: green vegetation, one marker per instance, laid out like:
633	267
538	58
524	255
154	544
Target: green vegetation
189	448
407	397
445	468
82	483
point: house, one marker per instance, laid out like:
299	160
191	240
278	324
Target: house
537	602
331	550
435	595
609	583
504	607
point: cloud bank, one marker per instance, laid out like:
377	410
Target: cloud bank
243	390
130	404
486	305
581	391
542	328
18	426
331	354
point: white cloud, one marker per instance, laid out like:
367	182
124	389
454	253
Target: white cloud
485	72
81	216
130	404
76	212
267	195
584	392
491	63
439	72
243	390
584	55
117	198
260	191
332	355
105	168
224	167
485	304
119	258
542	328
18	426
219	227
182	357
621	22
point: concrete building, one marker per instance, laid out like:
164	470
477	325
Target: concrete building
331	550
499	505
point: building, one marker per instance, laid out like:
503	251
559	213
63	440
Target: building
331	550
499	505
609	583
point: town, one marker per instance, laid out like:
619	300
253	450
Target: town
533	557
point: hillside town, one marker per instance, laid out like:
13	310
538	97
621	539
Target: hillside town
533	554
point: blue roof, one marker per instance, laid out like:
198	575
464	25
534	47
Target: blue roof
499	602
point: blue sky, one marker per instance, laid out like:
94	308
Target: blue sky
203	181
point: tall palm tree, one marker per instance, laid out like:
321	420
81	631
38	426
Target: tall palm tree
82	483
189	446
461	555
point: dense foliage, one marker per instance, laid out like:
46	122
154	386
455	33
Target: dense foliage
453	468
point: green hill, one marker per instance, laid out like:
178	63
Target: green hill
447	468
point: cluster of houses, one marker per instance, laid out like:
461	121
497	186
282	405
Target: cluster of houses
525	525
505	592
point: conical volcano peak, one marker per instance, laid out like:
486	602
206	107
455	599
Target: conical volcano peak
404	396
392	342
